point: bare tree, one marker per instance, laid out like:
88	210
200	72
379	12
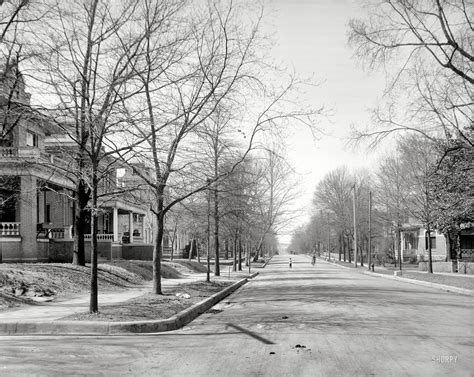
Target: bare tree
90	61
274	195
333	194
419	156
188	74
453	198
391	195
430	42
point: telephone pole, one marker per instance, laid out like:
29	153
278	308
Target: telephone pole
355	224
370	231
329	238
208	278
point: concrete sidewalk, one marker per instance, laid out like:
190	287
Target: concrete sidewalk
46	317
443	287
63	307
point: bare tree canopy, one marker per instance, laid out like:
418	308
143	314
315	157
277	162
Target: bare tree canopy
427	49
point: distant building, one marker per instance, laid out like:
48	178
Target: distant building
414	239
414	243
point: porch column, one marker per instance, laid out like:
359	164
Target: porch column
402	245
130	226
115	224
28	215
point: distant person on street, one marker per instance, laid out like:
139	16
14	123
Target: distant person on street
313	260
290	262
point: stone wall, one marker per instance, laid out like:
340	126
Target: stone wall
452	266
137	251
60	251
466	268
10	249
437	266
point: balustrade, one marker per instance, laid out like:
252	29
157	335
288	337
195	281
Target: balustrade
56	233
100	237
10	229
8	152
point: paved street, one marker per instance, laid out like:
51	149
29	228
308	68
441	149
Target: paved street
303	321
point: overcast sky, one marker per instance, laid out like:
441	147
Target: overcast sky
311	36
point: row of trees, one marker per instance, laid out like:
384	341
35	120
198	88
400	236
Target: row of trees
179	87
417	181
425	48
246	210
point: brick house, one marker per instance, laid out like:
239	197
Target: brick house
37	188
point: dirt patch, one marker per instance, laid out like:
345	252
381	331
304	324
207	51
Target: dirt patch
155	307
25	283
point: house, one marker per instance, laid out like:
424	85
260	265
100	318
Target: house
414	243
37	184
174	237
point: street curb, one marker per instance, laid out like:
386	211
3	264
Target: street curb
447	288
114	328
338	265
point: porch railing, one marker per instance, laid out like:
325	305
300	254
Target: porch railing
34	153
8	152
10	229
100	237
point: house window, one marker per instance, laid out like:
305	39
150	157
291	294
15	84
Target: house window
31	139
433	241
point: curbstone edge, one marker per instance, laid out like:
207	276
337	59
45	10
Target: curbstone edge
443	287
114	328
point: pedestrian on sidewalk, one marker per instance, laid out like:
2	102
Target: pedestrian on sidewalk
313	260
290	262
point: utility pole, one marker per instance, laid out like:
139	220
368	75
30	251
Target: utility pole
355	224
329	238
370	231
208	279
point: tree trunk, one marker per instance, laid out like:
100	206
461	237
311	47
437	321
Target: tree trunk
158	249
197	252
191	249
94	299
449	246
369	255
234	253
240	253
208	233
394	249
258	249
349	249
172	251
457	244
430	260
340	246
173	242
217	270
399	247
83	196
344	246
